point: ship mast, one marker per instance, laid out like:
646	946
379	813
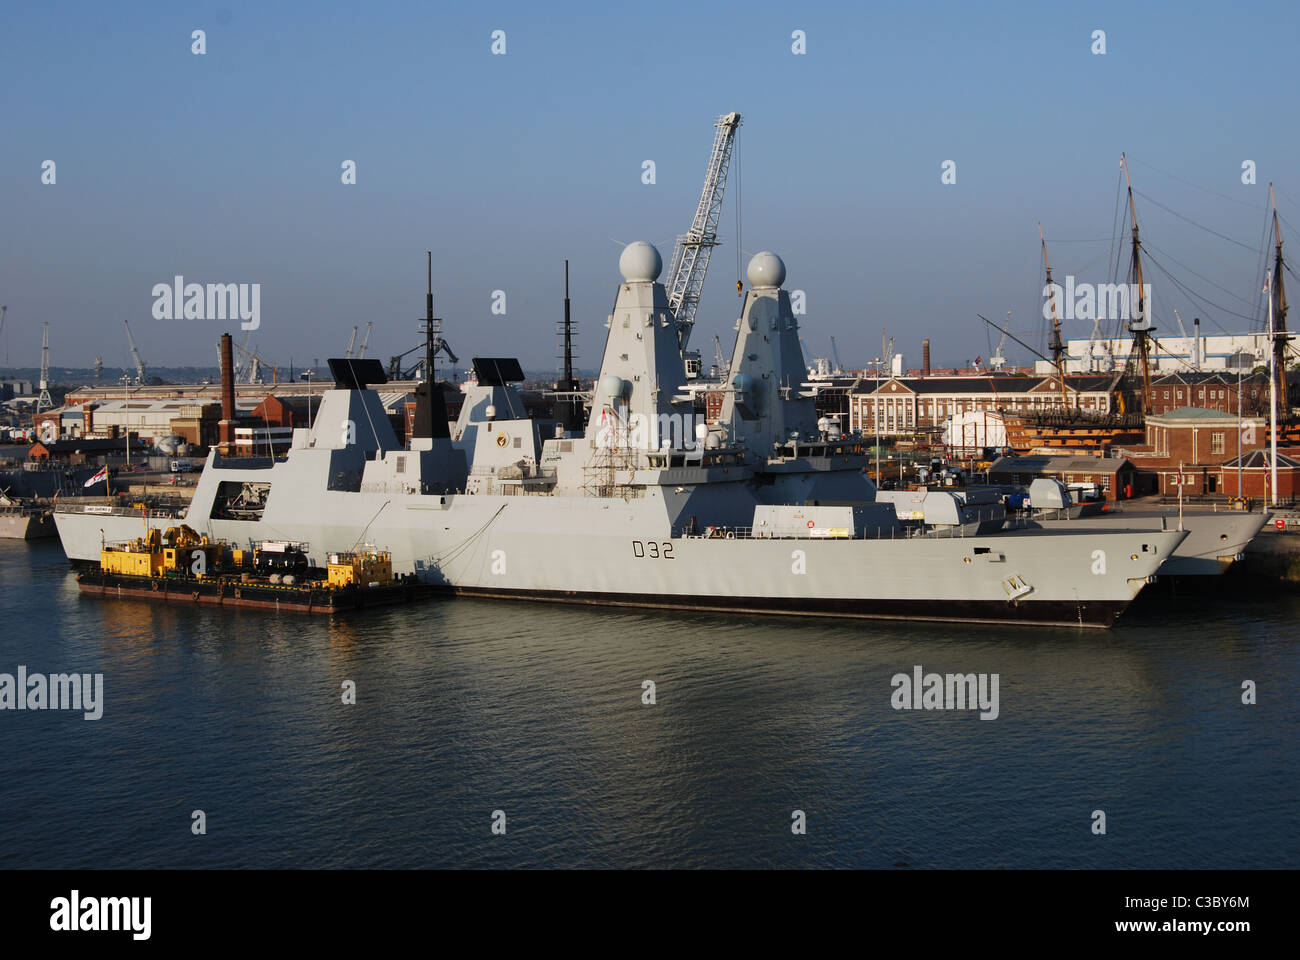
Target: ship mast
1057	346
1278	330
1140	328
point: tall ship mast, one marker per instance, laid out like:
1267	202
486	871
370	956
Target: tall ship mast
1057	345
1139	324
1280	336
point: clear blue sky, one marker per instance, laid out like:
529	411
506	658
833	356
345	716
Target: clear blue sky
226	167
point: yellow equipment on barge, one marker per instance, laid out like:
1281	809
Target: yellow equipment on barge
181	565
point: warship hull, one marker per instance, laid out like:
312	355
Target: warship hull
617	552
1215	541
26	525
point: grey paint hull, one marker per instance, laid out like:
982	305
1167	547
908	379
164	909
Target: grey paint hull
1214	540
624	552
37	525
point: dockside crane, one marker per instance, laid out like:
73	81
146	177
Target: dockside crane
135	354
365	339
351	342
43	402
999	358
254	363
242	353
720	360
694	248
1182	327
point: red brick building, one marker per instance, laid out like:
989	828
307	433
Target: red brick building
1116	477
906	405
1186	448
1256	476
1209	391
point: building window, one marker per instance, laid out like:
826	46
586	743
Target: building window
1216	443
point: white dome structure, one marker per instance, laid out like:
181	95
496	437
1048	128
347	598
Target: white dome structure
766	270
640	262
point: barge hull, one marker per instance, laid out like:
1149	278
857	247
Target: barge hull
232	594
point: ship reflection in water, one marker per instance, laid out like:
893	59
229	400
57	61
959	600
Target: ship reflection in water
467	707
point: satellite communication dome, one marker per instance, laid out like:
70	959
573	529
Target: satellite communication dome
490	412
612	386
640	262
766	270
742	382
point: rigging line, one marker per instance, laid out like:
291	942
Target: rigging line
1285	194
459	548
1196	296
1148	245
1114	231
1201	226
367	526
1288	224
1200	298
1181	359
1261	264
1221	196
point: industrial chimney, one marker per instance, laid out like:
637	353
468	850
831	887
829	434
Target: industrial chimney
227	426
1197	359
925	358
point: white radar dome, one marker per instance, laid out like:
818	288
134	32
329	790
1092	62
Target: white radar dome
742	382
766	269
612	386
640	262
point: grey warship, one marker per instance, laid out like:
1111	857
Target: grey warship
766	511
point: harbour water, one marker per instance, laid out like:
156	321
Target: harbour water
467	707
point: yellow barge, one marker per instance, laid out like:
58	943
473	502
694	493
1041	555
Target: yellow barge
180	566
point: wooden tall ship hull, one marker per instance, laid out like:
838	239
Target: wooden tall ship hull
1072	431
